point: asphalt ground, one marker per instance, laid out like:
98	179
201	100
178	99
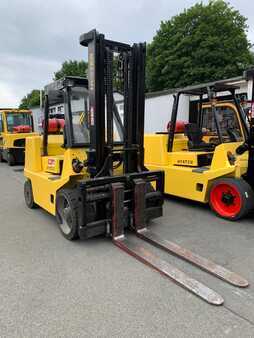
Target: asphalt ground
50	287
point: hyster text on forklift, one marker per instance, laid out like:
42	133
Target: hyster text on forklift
15	126
91	175
206	160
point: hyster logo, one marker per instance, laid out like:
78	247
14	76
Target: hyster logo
185	161
51	162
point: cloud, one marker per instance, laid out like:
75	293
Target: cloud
38	35
6	95
20	74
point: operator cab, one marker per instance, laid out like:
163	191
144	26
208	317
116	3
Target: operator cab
72	128
74	124
16	121
216	122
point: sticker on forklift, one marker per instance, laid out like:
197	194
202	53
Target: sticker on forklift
91	71
51	163
82	118
91	116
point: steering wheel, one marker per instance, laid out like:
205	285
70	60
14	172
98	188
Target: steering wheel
232	135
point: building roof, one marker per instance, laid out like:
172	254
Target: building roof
229	81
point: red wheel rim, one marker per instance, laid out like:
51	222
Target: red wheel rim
226	200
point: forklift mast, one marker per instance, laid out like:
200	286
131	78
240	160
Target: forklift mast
100	75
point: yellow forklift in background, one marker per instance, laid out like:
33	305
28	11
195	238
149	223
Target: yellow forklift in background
15	126
207	161
96	185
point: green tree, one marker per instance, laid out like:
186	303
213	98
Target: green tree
204	43
71	67
30	100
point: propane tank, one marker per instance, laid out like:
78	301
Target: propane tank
179	127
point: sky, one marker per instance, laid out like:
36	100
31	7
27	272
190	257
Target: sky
38	35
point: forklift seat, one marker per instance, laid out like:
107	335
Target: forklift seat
195	136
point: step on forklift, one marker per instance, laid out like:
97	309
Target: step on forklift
205	160
15	126
95	183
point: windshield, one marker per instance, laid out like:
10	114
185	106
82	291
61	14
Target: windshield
75	102
228	123
1	123
15	120
79	113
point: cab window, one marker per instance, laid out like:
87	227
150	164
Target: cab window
228	122
1	123
79	115
18	119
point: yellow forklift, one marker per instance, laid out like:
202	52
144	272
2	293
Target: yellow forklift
95	184
205	160
15	126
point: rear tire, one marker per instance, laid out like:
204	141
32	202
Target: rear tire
231	198
1	156
10	159
28	193
67	213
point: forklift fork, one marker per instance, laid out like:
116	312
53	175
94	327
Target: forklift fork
140	253
135	249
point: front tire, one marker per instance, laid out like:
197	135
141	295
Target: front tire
10	159
28	194
67	213
231	198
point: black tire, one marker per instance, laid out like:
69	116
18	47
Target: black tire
231	198
10	159
28	194
67	213
1	156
